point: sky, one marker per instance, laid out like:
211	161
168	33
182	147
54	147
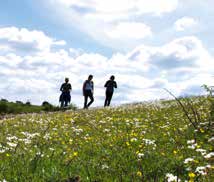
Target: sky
147	45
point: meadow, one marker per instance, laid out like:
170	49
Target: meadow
151	141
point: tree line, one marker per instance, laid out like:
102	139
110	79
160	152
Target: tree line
17	107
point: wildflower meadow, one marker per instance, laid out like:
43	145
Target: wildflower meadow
151	141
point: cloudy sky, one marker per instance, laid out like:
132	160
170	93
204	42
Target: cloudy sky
147	45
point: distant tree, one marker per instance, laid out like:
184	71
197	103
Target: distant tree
19	102
28	103
45	103
3	107
4	100
47	106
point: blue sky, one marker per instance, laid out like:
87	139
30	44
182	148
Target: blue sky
147	45
37	15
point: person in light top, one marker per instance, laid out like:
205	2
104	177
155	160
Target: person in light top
88	91
110	85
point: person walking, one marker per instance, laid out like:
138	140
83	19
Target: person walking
110	85
88	91
65	96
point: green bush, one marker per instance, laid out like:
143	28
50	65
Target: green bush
48	107
72	107
3	107
20	107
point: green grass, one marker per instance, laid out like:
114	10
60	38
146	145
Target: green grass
15	108
140	142
19	108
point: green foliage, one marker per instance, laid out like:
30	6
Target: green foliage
47	106
210	98
140	142
28	103
19	107
72	107
3	107
4	100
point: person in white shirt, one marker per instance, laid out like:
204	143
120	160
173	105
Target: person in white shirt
88	91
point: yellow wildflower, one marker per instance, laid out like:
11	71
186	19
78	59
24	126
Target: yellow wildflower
198	146
196	161
134	134
191	175
202	131
75	154
162	153
139	173
140	146
70	141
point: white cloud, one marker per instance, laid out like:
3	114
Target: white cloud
59	43
185	23
130	30
117	24
26	40
122	6
10	60
182	66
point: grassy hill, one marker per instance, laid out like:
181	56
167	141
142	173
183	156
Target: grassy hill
19	107
159	141
15	108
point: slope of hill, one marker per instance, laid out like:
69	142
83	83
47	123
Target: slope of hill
143	142
19	107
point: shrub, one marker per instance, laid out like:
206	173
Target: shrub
45	103
19	102
72	106
3	107
4	100
47	106
28	103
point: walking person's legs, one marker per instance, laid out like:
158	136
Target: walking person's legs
66	103
110	97
61	100
106	100
67	99
85	101
105	103
62	103
91	99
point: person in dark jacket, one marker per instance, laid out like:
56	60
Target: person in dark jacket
88	91
65	96
110	85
